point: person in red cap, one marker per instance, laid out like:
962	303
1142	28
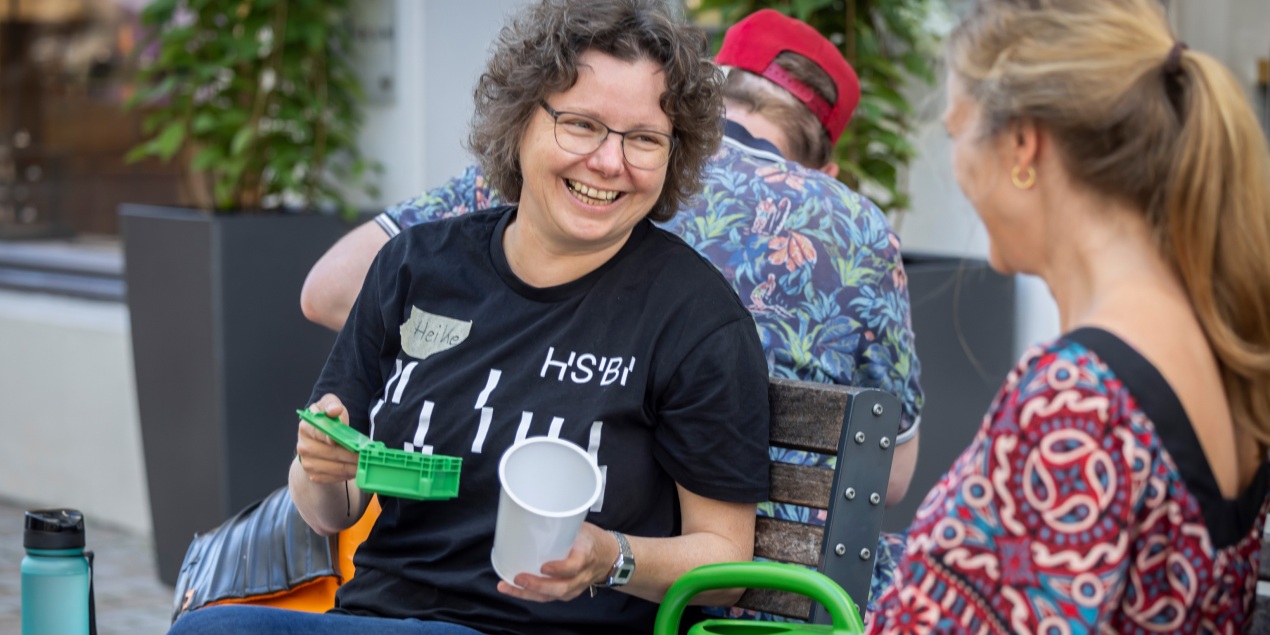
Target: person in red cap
807	92
771	217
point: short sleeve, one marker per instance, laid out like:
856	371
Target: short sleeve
357	368
712	433
467	192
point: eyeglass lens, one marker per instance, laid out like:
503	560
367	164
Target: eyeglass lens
581	134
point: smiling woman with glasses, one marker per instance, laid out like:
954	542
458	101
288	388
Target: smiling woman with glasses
580	134
567	314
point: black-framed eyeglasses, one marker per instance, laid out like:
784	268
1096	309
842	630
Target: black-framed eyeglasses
580	134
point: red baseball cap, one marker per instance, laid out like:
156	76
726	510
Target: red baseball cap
753	44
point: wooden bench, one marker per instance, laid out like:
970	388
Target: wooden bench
856	425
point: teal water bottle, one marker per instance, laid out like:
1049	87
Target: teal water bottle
56	578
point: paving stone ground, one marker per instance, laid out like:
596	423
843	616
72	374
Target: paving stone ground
130	598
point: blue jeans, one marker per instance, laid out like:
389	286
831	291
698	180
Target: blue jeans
236	619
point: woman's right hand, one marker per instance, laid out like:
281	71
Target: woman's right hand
322	460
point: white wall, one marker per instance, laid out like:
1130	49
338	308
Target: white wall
71	434
394	133
1237	32
440	50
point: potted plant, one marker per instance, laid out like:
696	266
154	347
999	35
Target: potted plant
258	101
258	104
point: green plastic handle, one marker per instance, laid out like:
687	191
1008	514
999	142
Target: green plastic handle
759	575
340	433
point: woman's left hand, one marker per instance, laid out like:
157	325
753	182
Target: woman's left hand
592	556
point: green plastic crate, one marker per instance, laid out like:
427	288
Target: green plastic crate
392	472
408	474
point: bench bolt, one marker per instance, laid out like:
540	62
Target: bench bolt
841	549
885	442
859	437
865	554
874	499
877	409
849	493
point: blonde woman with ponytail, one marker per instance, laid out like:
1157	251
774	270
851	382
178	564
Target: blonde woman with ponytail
1119	481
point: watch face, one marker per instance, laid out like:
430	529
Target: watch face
624	568
624	573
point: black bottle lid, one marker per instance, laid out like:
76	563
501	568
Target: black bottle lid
54	529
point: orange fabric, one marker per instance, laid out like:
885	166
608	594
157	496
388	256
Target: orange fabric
352	537
315	596
318	596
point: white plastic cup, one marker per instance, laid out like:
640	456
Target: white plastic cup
548	485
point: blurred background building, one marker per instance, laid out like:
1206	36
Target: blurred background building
71	435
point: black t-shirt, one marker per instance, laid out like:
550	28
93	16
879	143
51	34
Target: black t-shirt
650	363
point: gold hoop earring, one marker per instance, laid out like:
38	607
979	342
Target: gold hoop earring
1023	185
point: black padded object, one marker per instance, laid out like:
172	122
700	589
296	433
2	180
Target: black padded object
264	549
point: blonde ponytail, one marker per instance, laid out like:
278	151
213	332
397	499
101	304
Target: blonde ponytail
1216	229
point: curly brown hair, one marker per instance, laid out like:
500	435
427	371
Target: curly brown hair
536	55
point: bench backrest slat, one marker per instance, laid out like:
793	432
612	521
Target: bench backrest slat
786	541
801	485
778	603
806	415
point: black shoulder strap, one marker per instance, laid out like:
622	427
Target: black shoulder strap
1228	521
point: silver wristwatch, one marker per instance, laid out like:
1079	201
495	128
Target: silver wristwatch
624	566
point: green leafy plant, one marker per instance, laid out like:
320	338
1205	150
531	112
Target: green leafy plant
888	43
257	100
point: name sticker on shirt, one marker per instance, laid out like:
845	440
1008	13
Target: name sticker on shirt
426	334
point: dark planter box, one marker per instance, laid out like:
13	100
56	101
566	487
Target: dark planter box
223	357
963	319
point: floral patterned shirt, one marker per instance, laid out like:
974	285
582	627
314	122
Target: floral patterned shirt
817	264
1085	504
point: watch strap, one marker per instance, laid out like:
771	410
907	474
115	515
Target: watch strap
624	566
